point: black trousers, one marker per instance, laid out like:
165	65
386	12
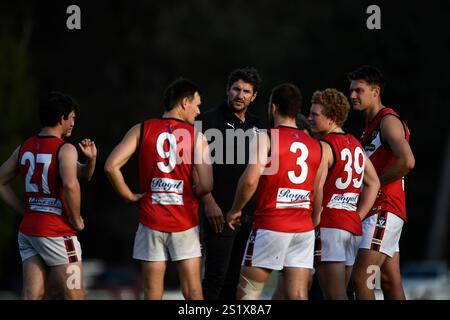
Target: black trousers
223	257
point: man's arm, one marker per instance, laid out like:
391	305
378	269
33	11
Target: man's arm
8	170
86	170
370	190
68	170
118	158
394	135
202	166
319	181
249	180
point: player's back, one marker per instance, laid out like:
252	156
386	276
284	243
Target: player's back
343	184
166	154
45	209
284	199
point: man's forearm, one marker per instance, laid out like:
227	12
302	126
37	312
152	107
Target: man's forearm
397	171
10	198
244	192
118	183
87	169
72	197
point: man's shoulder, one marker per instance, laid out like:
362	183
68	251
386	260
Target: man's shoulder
254	121
211	118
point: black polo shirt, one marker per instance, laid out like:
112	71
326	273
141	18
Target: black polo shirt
228	169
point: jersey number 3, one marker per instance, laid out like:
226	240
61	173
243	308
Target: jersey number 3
301	161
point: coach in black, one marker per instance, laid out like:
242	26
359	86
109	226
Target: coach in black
224	248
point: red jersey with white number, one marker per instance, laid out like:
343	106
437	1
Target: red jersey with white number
165	173
46	212
343	184
285	197
391	196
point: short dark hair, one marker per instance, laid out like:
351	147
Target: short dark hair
287	98
179	89
369	74
54	105
248	75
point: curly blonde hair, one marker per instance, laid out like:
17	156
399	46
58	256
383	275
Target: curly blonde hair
334	103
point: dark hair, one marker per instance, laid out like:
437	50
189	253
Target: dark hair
302	123
54	105
248	75
288	99
369	74
179	89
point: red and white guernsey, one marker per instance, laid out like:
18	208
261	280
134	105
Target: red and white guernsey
343	184
45	212
165	172
285	199
391	197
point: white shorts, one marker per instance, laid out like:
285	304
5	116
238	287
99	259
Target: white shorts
54	251
336	245
276	250
381	232
153	245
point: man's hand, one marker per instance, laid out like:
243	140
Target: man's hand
88	148
136	198
234	219
215	216
77	225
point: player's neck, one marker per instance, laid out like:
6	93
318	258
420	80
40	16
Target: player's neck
240	114
336	129
286	122
51	131
174	114
370	113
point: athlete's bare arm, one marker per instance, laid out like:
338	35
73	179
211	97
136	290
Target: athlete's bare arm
118	158
202	166
86	170
393	134
8	170
249	180
319	181
369	192
68	170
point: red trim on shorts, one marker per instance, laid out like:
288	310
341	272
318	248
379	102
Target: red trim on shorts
317	248
250	248
70	249
378	233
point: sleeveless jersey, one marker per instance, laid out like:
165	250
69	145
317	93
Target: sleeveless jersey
166	156
45	212
343	184
391	197
284	199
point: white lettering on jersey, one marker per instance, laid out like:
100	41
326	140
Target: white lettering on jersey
293	198
51	205
167	191
167	198
167	185
346	201
373	146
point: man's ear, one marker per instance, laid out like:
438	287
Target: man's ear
254	96
274	108
376	91
61	119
